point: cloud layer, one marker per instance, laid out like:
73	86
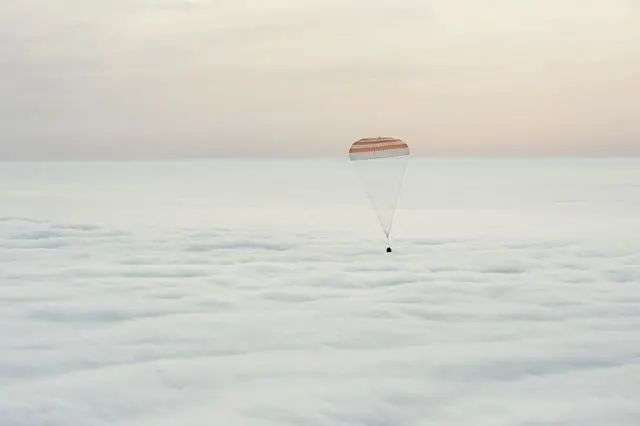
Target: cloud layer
258	293
222	325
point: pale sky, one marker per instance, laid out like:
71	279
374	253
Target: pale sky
137	79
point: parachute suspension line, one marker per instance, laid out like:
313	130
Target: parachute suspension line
372	200
395	204
384	224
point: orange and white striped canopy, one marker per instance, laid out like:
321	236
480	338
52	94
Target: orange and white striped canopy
371	148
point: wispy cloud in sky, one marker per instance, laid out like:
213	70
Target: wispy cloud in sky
161	79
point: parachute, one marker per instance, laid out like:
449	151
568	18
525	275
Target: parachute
381	164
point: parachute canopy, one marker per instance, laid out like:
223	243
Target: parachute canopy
381	163
371	148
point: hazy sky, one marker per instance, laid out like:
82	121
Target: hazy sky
118	79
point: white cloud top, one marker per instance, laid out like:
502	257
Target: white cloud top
508	302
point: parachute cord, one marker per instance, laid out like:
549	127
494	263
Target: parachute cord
386	227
